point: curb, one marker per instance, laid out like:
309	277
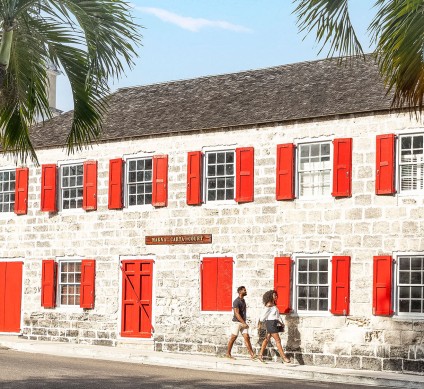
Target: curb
210	363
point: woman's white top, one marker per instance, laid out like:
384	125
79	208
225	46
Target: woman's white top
270	313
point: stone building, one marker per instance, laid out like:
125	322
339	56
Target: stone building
297	177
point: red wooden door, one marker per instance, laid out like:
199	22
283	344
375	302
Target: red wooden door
136	315
10	296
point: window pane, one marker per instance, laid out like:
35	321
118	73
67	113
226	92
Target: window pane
323	305
404	292
303	278
303	265
313	265
404	264
303	291
403	305
416	306
323	278
313	304
313	278
404	277
301	304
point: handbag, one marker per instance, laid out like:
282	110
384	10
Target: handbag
281	327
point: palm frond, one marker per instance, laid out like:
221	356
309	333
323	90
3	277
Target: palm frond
398	30
330	19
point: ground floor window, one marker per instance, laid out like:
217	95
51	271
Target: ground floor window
410	284
312	284
69	282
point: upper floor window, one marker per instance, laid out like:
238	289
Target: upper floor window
220	175
7	190
312	284
314	169
72	186
411	163
139	181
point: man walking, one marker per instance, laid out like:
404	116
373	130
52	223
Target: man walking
239	323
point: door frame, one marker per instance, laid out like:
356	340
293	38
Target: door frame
120	276
21	323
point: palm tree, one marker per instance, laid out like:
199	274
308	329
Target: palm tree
397	30
91	41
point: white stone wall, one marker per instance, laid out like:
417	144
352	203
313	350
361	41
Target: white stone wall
361	226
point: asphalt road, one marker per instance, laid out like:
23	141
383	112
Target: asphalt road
25	370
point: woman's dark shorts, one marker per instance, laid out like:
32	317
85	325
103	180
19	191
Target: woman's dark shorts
271	326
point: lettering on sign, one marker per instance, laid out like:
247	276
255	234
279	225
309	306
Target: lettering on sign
179	239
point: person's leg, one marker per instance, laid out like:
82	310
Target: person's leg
230	345
263	347
248	344
280	347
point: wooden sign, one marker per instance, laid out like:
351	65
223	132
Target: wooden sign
179	239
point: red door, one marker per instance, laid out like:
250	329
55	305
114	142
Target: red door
136	315
10	296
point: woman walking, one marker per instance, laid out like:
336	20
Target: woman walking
271	316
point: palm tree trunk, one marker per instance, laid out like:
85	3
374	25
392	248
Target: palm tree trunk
5	48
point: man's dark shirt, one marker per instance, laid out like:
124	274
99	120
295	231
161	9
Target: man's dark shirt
241	305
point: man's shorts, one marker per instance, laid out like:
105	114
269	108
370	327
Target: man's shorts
237	327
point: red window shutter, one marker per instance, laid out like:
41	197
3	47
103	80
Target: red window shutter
115	183
340	285
342	167
225	284
48	188
285	172
89	194
21	191
160	181
244	174
194	177
382	286
282	274
385	165
88	271
48	283
209	284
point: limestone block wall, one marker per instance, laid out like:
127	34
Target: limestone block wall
361	226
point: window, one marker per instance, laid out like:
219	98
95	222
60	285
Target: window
69	282
411	163
410	284
220	175
139	181
314	169
72	186
217	283
7	190
312	284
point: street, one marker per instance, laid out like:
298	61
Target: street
26	370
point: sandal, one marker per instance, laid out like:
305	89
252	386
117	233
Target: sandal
286	360
260	359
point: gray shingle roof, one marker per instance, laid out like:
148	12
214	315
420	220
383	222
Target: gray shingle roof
290	92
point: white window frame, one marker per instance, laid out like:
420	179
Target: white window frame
58	292
227	255
395	289
205	151
4	170
297	166
126	180
59	186
398	164
296	258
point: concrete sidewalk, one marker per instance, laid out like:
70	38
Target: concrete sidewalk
212	363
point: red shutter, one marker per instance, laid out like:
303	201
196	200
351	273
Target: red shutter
48	283
244	174
88	271
194	177
385	164
282	274
209	284
115	183
225	284
285	172
89	195
160	181
340	285
382	286
21	191
48	188
342	168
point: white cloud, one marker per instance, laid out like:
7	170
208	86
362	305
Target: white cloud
191	24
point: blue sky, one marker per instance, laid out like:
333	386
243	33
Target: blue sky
191	38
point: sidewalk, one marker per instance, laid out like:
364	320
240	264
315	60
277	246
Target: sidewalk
212	363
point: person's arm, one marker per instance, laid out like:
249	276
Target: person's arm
264	314
239	318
